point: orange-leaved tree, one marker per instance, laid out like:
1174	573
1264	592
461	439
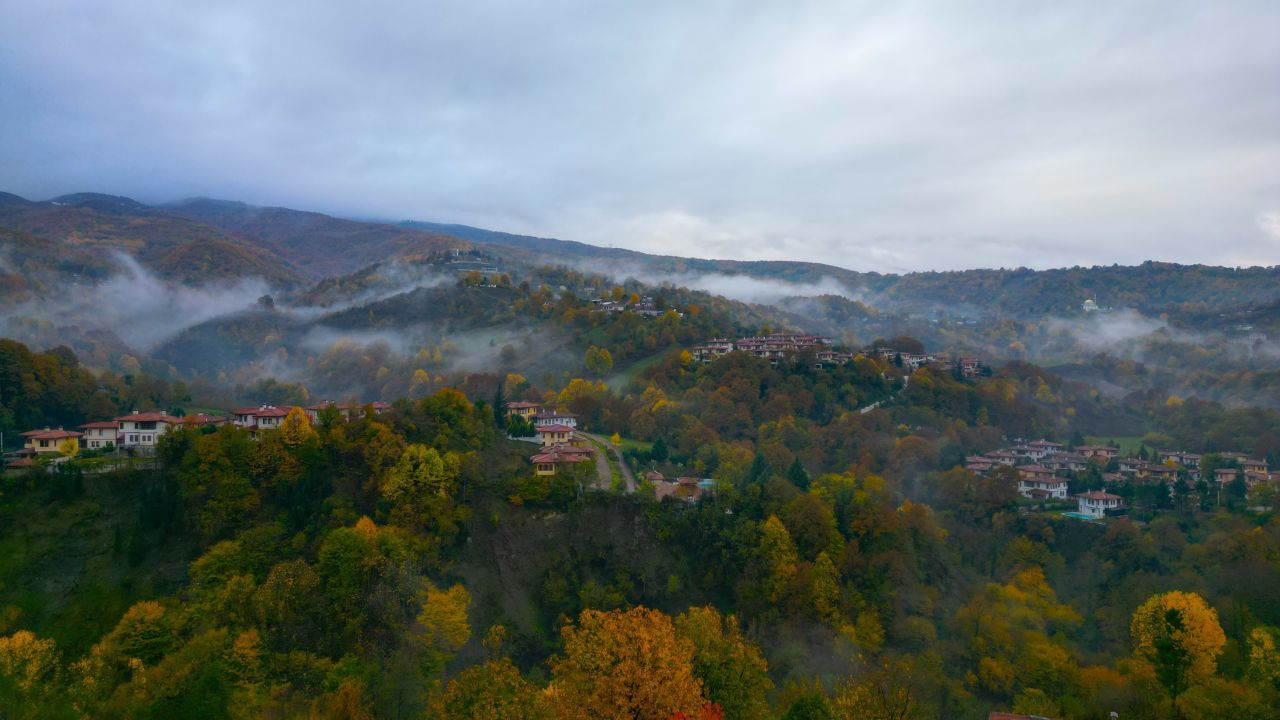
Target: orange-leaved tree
628	665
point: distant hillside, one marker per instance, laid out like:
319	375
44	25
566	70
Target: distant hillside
319	245
75	237
552	251
1152	287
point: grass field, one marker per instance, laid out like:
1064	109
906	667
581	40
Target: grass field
1128	444
621	379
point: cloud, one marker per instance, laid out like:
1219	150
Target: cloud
138	307
749	289
928	135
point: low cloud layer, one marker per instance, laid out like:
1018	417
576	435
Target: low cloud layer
745	288
138	307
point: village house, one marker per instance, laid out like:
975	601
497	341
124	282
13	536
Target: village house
543	419
978	464
1130	466
1037	449
1252	465
143	430
1096	503
101	435
1039	482
1225	475
685	489
1253	478
50	441
348	410
1064	461
201	420
555	434
1092	451
524	409
550	458
271	418
1002	457
969	366
1156	471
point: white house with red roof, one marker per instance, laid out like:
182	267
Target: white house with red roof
546	461
544	419
1039	483
143	430
1096	503
555	434
48	440
101	434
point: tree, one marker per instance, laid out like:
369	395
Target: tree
625	665
1179	635
659	450
615	439
443	619
421	471
296	428
26	660
492	691
798	475
598	361
733	671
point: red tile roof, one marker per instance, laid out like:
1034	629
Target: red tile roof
555	429
101	425
149	417
520	404
272	412
48	434
1098	495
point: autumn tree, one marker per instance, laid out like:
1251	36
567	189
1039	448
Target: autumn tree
443	623
732	669
296	428
493	691
1178	634
625	665
598	361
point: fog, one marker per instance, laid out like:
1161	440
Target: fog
743	288
137	306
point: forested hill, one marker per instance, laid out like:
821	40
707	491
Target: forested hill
321	245
76	238
199	240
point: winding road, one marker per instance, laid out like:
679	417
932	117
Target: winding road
603	470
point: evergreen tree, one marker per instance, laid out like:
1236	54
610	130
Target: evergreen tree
797	474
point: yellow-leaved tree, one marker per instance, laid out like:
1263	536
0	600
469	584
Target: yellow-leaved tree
27	660
1178	634
626	665
296	428
443	620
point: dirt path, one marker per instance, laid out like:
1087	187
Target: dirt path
606	474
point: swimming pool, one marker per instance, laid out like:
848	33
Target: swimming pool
1078	516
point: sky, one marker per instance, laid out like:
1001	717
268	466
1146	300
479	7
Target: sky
874	136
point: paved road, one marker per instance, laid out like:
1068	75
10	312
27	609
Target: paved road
606	474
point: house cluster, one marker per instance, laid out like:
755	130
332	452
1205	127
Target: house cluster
141	431
686	489
644	307
1041	462
779	345
969	366
556	432
770	347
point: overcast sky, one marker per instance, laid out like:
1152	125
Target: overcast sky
924	136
